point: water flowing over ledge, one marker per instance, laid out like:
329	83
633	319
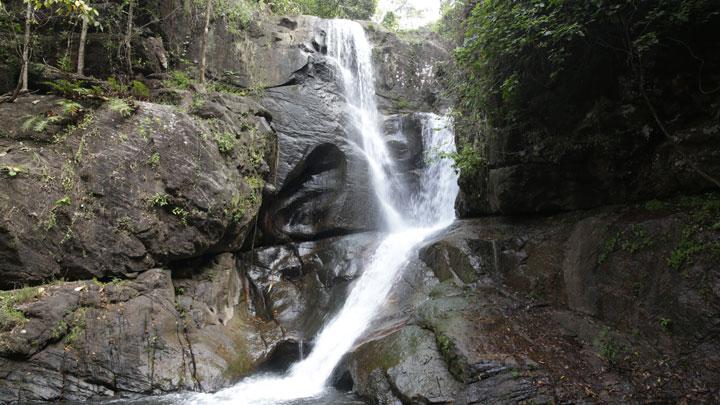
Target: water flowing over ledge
410	220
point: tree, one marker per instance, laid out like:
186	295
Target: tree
203	48
353	9
23	84
390	21
81	46
67	8
127	42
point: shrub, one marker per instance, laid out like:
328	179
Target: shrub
179	80
225	142
140	90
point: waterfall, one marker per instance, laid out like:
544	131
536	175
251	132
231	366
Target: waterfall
428	210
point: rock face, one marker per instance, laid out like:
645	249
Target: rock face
409	69
321	181
103	195
585	175
301	285
598	151
151	335
603	306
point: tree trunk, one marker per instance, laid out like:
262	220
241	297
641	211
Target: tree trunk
26	50
81	47
128	35
203	49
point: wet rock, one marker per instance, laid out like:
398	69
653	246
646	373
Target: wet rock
300	286
321	177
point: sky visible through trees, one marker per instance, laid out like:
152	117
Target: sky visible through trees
411	13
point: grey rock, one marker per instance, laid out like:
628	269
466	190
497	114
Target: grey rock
117	196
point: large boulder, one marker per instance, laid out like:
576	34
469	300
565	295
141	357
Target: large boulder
265	53
322	178
96	193
300	286
151	335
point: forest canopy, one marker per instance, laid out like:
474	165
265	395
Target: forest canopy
524	57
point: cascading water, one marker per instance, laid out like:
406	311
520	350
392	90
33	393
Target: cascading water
428	210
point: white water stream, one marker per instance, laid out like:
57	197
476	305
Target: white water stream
429	209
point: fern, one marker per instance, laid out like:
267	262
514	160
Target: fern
38	123
70	108
41	125
121	107
115	85
65	87
29	122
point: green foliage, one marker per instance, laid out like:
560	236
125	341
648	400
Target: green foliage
686	249
39	123
154	160
60	329
403	104
65	88
654	205
241	204
665	324
697	236
181	213
12	171
65	64
225	142
67	7
70	108
351	9
631	240
466	160
77	331
179	80
139	90
10	316
635	239
50	222
540	65
63	202
237	13
607	347
115	86
390	21
121	107
159	200
502	39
